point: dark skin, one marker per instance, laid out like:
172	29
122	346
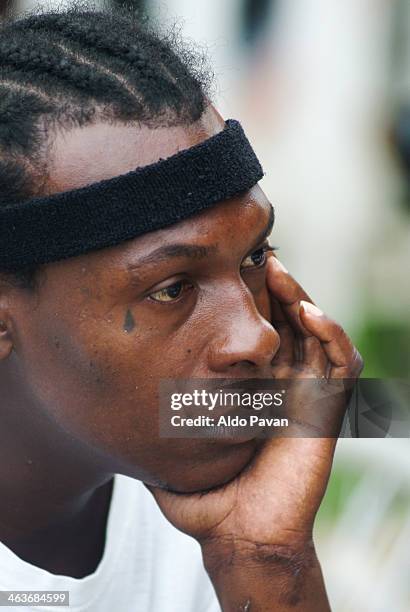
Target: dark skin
81	358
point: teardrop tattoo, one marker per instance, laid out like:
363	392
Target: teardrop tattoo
129	322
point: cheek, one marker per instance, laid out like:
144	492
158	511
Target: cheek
83	376
101	383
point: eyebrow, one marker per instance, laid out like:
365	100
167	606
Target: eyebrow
193	251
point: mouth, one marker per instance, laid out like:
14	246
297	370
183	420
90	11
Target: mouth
228	435
217	409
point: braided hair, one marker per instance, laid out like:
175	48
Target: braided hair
73	67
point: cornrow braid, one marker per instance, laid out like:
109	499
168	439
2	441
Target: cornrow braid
152	69
79	65
54	69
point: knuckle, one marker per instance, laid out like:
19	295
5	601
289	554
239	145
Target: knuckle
337	329
360	361
357	363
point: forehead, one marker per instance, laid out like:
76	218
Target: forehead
82	156
238	219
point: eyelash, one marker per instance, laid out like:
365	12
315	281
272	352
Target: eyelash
263	249
266	248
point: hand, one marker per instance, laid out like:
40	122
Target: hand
269	508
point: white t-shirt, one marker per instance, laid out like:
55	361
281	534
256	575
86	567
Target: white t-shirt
147	565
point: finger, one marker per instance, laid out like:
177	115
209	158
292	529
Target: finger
282	285
284	288
314	357
286	354
345	359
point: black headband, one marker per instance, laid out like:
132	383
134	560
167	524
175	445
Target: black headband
41	230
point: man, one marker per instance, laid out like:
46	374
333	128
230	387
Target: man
115	279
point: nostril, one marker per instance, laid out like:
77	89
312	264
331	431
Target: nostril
244	361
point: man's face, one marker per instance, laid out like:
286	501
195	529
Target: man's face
189	301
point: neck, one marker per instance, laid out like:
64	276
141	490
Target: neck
54	496
72	548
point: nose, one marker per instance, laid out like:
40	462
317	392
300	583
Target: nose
246	342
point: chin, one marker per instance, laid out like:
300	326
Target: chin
216	469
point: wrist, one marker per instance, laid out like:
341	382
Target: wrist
233	553
269	576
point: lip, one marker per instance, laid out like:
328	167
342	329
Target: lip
223	438
235	439
228	434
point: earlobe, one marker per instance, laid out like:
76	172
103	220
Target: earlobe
6	344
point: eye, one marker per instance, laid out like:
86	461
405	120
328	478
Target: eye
257	259
171	293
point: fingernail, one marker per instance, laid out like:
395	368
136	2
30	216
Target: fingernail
311	309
